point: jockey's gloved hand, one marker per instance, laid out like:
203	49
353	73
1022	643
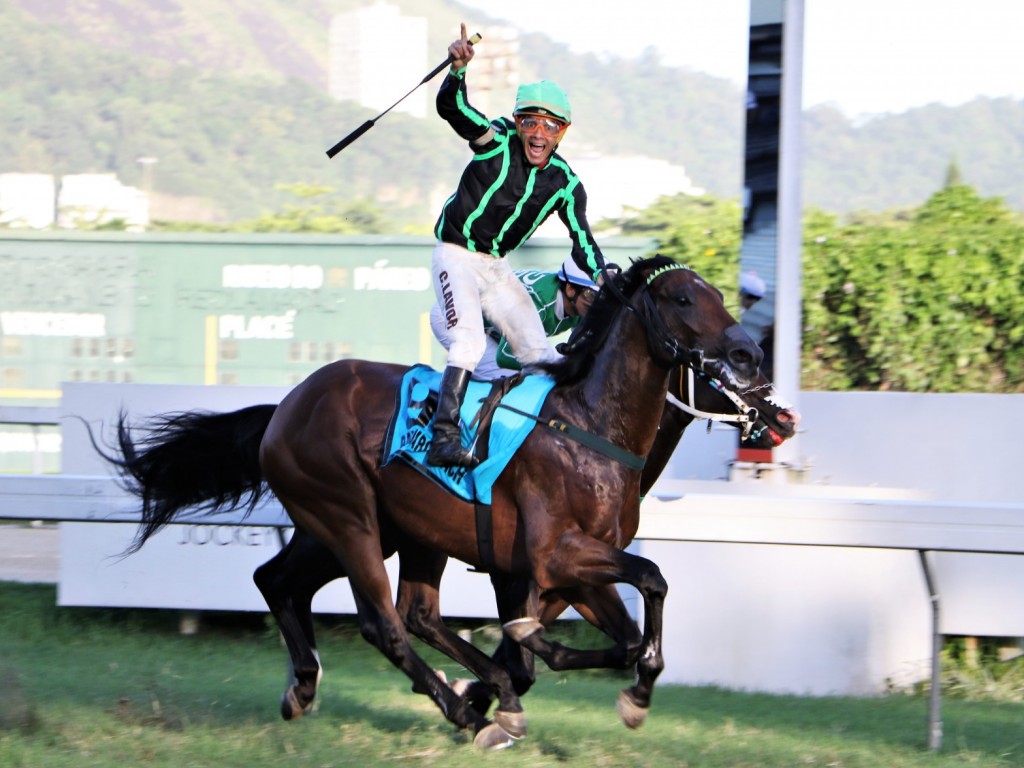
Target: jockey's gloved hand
607	271
579	333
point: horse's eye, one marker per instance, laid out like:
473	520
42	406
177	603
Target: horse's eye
683	301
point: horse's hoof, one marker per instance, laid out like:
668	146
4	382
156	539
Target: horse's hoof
492	737
460	685
632	714
290	707
513	723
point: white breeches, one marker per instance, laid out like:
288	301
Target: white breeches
470	285
487	369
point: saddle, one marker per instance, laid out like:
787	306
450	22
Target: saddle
493	433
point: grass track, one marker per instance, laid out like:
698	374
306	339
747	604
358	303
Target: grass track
117	688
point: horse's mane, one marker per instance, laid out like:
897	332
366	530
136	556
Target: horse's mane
590	335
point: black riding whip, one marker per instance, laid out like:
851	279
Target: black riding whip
369	123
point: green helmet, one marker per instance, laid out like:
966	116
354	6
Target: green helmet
544	95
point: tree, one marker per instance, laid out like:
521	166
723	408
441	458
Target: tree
930	304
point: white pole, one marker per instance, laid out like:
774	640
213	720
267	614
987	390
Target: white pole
790	232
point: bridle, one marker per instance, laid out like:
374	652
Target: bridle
660	341
745	417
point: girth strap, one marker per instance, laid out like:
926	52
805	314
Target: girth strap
485	536
483	421
599	444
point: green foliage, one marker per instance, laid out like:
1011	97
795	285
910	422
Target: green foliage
899	160
229	141
929	304
921	300
703	232
99	86
320	211
319	217
979	673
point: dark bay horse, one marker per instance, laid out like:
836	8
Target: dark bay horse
290	580
562	512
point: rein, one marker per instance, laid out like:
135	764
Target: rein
659	340
660	343
592	441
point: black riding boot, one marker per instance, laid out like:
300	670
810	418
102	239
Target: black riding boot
446	448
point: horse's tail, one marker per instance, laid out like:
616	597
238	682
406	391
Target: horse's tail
197	461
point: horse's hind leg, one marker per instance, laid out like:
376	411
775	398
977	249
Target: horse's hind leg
419	604
354	538
288	582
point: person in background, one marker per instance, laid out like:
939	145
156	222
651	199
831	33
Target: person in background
514	182
561	298
752	290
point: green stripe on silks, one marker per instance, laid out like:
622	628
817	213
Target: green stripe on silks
599	444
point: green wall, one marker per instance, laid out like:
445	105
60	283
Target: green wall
224	309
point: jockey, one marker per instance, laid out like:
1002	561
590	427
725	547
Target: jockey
513	183
752	289
561	299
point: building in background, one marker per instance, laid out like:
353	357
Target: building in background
77	201
91	200
495	71
362	66
27	200
618	183
362	63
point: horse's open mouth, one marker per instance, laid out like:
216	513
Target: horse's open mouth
725	375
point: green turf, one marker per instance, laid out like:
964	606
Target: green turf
120	688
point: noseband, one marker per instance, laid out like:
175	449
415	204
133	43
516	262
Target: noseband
662	345
745	417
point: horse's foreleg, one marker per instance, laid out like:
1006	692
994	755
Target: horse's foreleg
515	597
600	606
634	702
419	605
288	582
579	559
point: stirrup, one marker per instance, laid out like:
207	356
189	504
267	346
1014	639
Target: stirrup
448	452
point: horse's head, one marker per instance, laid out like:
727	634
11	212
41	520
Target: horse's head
683	317
687	323
765	418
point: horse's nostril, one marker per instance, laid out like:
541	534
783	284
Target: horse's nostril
744	358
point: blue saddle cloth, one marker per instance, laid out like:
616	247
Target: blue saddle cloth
409	433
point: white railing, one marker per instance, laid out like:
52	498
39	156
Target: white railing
784	519
733	519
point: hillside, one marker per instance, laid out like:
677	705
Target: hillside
231	99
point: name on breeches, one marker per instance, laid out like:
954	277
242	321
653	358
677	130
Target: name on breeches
450	315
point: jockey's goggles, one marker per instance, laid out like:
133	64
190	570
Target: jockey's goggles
529	123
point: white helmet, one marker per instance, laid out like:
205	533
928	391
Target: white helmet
752	284
570	273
